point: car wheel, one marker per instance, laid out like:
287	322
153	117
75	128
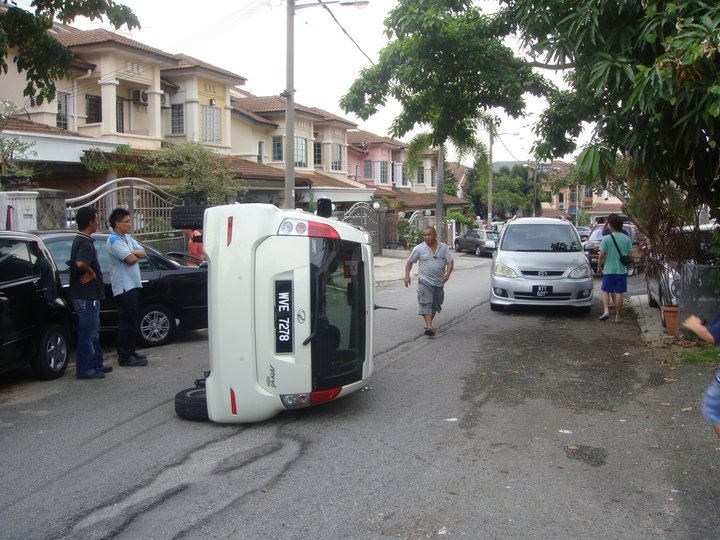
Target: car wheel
478	251
651	300
457	247
187	217
191	404
53	353
495	307
157	325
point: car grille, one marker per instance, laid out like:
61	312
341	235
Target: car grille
551	297
542	273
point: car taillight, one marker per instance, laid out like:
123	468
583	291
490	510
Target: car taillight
297	401
305	227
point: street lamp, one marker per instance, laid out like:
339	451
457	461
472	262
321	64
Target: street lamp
535	170
289	93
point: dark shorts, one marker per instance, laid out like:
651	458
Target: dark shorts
711	403
430	299
614	283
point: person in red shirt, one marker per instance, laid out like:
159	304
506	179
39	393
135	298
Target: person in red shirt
195	246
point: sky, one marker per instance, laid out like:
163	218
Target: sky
247	37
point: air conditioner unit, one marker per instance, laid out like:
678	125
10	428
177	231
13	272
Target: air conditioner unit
139	96
165	101
561	206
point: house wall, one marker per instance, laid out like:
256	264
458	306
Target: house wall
377	154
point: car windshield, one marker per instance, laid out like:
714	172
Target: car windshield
492	235
540	237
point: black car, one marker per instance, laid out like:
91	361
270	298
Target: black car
172	295
35	323
478	242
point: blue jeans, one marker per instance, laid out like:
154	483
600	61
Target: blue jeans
89	354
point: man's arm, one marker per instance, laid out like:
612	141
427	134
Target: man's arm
408	267
448	270
694	324
88	274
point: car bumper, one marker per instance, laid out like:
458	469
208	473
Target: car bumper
519	291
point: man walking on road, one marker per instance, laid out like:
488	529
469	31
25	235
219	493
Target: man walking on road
436	265
86	290
124	252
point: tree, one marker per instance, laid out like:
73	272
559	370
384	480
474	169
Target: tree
204	179
12	149
25	36
445	64
646	73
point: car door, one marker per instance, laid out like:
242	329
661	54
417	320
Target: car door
21	302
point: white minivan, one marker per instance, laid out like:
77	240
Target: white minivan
290	313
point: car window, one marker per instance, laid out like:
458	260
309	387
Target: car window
60	252
540	237
16	262
492	235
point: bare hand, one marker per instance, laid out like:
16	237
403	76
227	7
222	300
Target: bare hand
87	277
407	281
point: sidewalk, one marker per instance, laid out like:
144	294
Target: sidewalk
392	268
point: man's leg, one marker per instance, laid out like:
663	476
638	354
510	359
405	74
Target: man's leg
618	299
127	323
606	303
84	355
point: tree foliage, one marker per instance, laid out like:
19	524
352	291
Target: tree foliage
646	73
204	179
25	35
13	149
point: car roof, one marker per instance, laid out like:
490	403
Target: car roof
538	221
19	234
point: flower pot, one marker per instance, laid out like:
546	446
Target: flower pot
670	317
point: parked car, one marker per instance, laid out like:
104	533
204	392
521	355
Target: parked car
592	247
540	262
663	288
35	323
478	241
584	232
172	294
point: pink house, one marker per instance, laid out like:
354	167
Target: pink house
375	161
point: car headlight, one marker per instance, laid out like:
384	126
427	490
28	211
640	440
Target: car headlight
501	270
582	271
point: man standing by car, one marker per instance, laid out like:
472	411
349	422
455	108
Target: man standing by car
124	252
86	290
436	265
614	273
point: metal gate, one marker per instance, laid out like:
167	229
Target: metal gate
148	204
362	215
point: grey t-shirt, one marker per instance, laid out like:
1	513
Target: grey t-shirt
432	265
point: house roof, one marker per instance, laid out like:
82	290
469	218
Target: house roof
358	137
188	63
459	171
419	201
238	108
606	208
333	117
28	126
319	180
551	212
84	38
269	105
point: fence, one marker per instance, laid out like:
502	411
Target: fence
699	291
149	206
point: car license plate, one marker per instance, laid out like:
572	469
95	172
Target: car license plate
541	290
283	317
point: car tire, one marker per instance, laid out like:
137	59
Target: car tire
651	300
53	353
187	217
457	247
191	404
478	251
156	325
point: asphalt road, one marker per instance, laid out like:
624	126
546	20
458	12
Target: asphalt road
526	424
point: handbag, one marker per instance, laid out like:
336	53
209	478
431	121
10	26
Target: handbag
626	260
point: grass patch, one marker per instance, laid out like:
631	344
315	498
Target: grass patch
705	355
